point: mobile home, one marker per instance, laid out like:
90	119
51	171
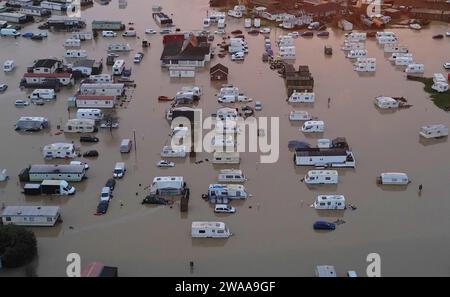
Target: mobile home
403	61
395	48
434	131
168	185
100	78
118	47
46	216
384	102
35	11
334	157
231	175
209	230
396	55
82	36
226	158
102	89
387	39
393	178
47	94
95	101
353	54
71	42
32	123
356	36
321	177
287	52
302	97
90	113
348	46
313	126
299	115
366	65
38	173
222	193
336	202
80	126
118	67
415	69
174	151
59	150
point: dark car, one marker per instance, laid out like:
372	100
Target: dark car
88	138
91	153
322	225
111	184
307	34
102	207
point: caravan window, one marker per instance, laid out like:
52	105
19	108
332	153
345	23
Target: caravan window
327	178
201	231
219	231
49	219
8	219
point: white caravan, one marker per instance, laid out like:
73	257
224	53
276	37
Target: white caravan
210	230
118	67
47	94
31	215
415	69
366	65
434	131
387	39
75	54
118	47
356	36
393	178
173	151
397	55
226	158
72	42
322	177
287	52
385	102
231	175
299	115
90	113
9	65
80	126
353	54
302	97
59	150
218	192
330	202
313	127
348	46
395	48
403	61
440	87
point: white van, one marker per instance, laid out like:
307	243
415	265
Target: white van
9	66
329	202
434	131
93	114
173	152
313	126
231	175
109	34
119	170
9	32
209	230
125	146
322	177
224	208
415	69
393	178
47	94
118	67
302	97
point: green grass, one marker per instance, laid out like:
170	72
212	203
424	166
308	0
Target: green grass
441	100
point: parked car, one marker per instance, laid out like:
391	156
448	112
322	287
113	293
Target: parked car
264	31
21	103
105	194
88	138
294	34
91	153
102	207
165	163
129	33
28	34
224	208
111	184
165	31
447	65
307	34
150	31
239	56
322	225
86	166
3	87
109	34
258	105
138	57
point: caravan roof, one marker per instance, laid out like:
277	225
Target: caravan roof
31	211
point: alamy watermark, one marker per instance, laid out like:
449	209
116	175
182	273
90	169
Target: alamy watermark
374	8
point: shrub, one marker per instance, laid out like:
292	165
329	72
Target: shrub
18	246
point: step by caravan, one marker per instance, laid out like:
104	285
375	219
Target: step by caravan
223	193
395	48
45	216
209	230
323	202
59	150
393	178
39	173
231	176
226	158
403	61
118	47
71	42
80	126
415	69
323	157
118	67
434	131
32	124
299	115
353	54
313	127
321	177
168	185
90	113
302	97
106	89
365	65
75	54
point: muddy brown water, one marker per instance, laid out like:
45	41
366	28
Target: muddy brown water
273	233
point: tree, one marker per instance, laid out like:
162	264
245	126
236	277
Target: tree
18	246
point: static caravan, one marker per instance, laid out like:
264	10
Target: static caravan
174	151
415	69
393	178
75	54
107	25
313	126
56	5
334	157
227	113
329	202
434	131
71	42
82	36
209	230
80	126
381	34
118	67
223	142
45	216
226	158
59	150
231	175
102	89
221	24
47	94
247	23
11	17
221	193
100	78
234	13
440	87
228	90
396	55
38	173
348	46
35	11
387	39
90	113
395	48
181	71
299	115
302	97
356	36
94	101
32	124
366	65
125	146
385	102
118	47
168	185
287	52
320	177
439	77
353	54
403	61
206	23
226	127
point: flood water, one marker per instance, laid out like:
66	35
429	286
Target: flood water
273	233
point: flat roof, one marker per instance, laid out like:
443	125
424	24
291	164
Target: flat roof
31	211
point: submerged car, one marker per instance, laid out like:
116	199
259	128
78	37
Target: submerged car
21	103
91	153
322	225
447	65
150	31
3	87
88	138
224	208
165	163
102	207
138	57
111	184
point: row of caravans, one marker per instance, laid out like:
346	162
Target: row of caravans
41	172
365	65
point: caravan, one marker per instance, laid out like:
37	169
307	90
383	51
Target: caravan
9	65
71	42
353	54
75	54
366	65
302	97
209	230
384	102
336	202
92	113
47	94
393	178
80	126
313	126
396	55
118	67
348	46
118	47
415	69
387	39
59	150
355	36
434	131
395	48
173	151
299	115
231	175
226	158
322	177
403	61
221	193
287	52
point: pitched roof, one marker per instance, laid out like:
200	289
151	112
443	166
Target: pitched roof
218	67
49	75
47	63
84	63
192	49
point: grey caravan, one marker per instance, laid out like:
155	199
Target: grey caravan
32	124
